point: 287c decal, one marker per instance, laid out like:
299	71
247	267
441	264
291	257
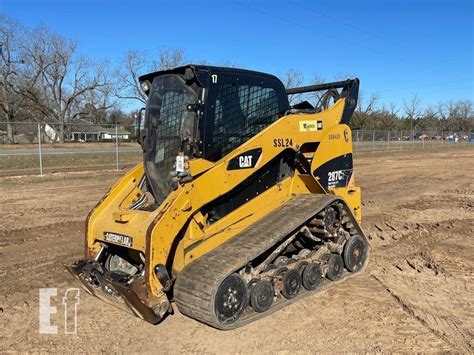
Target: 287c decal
339	178
336	172
283	142
335	176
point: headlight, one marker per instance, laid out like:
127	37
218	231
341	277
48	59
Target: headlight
145	85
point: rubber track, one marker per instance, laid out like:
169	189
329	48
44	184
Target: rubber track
197	283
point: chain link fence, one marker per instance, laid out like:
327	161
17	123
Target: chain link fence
36	149
33	148
375	141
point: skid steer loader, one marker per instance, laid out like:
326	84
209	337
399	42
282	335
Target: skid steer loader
242	205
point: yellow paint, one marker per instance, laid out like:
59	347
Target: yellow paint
198	166
179	215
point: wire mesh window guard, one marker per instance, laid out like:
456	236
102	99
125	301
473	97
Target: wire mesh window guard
241	111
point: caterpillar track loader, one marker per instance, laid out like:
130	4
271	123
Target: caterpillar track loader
242	205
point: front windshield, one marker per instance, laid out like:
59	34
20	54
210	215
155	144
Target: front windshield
169	125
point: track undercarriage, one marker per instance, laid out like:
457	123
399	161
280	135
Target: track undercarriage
304	246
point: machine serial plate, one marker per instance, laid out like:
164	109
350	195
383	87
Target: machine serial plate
118	239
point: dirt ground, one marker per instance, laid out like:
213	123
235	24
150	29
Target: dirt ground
417	293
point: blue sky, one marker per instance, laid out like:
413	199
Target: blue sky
397	48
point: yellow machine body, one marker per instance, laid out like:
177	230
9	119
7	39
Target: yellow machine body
176	234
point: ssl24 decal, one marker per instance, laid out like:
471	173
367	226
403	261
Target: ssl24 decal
283	142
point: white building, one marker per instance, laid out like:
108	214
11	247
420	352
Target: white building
86	131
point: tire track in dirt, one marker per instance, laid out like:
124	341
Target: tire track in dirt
413	290
93	168
31	234
443	328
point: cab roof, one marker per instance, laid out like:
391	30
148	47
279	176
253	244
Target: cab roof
205	70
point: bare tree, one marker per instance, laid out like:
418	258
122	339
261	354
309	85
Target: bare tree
455	115
292	79
96	104
169	59
387	117
136	63
317	96
117	116
428	119
465	116
11	76
62	78
365	108
412	110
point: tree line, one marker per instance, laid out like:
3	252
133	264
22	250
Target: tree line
44	78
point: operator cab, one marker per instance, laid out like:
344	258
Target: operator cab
199	111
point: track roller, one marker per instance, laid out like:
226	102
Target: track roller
301	266
291	283
311	276
335	267
261	295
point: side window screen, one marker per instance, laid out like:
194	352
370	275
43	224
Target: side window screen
241	111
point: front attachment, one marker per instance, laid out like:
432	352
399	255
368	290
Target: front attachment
121	290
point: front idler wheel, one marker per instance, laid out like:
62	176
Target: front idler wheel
291	283
230	299
261	296
311	276
355	253
335	267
